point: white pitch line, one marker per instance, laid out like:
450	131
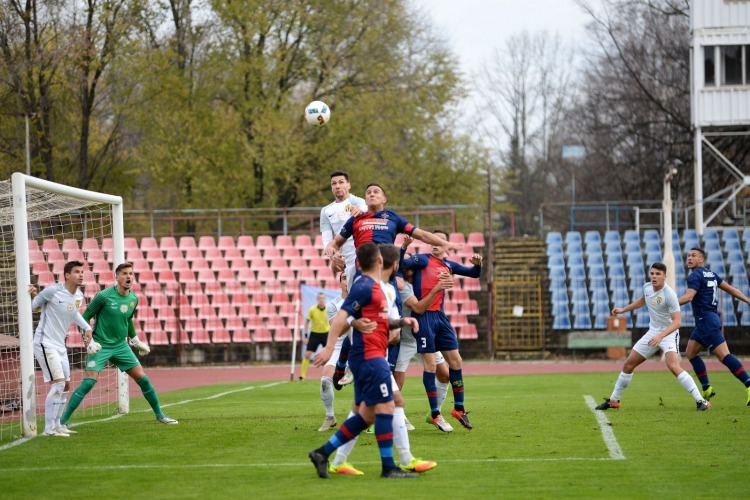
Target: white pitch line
286	464
113	417
615	452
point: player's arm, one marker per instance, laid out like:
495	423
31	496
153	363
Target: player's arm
671	327
94	306
420	306
475	271
85	326
637	304
326	231
734	292
431	239
687	296
41	298
416	261
394	324
339	326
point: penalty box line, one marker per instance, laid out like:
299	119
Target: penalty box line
119	415
615	452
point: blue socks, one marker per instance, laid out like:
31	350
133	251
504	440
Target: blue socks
428	379
735	366
699	367
457	383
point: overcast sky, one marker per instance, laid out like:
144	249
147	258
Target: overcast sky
474	28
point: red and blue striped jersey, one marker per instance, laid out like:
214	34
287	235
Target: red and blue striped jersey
427	271
379	227
367	300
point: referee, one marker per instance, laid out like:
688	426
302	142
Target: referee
317	334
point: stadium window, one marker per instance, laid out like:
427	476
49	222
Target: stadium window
709	63
731	65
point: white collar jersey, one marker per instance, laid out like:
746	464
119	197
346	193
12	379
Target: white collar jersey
390	295
660	305
59	309
332	219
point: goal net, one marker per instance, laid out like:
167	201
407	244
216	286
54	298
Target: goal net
43	225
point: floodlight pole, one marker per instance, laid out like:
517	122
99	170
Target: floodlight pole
667	213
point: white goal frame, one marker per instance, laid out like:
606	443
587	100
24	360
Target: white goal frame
23	278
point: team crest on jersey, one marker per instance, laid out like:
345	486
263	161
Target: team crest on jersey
78	304
385	215
132	304
91	364
356	305
71	308
123	308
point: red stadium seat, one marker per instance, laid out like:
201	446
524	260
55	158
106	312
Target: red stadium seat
200	337
144	311
107	245
192	254
55	256
285	274
158	337
206	275
220	336
303	241
238	299
318	241
234	323
284	241
226	310
238	263
262	335
159	265
40	267
241	336
187	242
271	254
211	288
470	284
289	253
457	238
212	253
266	275
264	241
89	278
246	311
206	242
458	320
194	291
74	338
68	245
171	327
36	257
252	287
244	242
130	243
250	253
179	264
167	242
306	274
91	289
399	239
272	287
149	243
245	276
318	263
88	244
475	240
180	336
254	322
470	307
75	255
458	295
233	253
226	276
219	299
159	301
286	310
34	245
218	263
282	335
144	277
450	307
94	254
214	323
280	298
167	276
297	263
226	243
45	279
185	276
468	332
232	287
267	310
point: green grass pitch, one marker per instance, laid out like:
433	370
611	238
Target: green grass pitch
534	437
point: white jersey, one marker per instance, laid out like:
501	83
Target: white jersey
333	307
661	305
332	219
59	309
406	294
390	295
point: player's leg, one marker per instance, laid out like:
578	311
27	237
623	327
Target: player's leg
407	461
94	364
340	463
149	392
734	365
326	395
694	347
442	378
343	374
312	345
672	359
64	396
640	352
446	342
51	365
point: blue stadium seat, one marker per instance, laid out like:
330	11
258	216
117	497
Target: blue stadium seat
717	266
688	244
653	247
579	296
613	250
555	261
633	259
574	250
595	260
651	235
592	237
600	308
615	260
740	282
730	234
746	235
572	237
732	246
561	323
612	236
575	260
681	288
557	272
617	271
729	318
597	271
560	309
686	314
745	318
636	272
593	249
710	235
711	246
653	257
582	323
689	234
632	235
642	319
600	321
620	297
616	283
632	247
577	272
554	249
554	237
679	270
581	309
635	286
743	307
736	268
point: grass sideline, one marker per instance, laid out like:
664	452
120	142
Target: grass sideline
534	437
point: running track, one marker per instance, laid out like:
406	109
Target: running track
171	379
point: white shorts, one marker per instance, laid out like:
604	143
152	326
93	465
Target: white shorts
407	351
336	351
53	362
394	385
670	343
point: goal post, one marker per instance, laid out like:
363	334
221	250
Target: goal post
27	209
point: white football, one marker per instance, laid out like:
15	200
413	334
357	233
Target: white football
317	113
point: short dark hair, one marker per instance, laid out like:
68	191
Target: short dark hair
659	266
700	250
122	266
367	256
340	173
70	265
390	254
440	231
375	184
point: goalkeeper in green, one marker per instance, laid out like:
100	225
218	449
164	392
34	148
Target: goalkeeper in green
113	310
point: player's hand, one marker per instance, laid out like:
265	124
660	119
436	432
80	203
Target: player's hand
655	340
445	281
354	210
331	249
93	347
394	337
364	325
412	323
337	262
323	355
476	259
453	246
408	240
617	311
142	347
32	291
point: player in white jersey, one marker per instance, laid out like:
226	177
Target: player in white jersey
60	305
333	217
408	462
663	333
326	380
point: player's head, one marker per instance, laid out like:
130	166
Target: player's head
321	300
439	251
124	275
375	197
391	256
73	273
658	274
695	258
343	284
340	185
369	258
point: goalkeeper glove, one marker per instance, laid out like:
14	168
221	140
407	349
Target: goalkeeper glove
142	347
93	347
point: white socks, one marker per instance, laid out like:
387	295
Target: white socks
442	390
623	381
401	436
326	394
53	406
688	383
342	452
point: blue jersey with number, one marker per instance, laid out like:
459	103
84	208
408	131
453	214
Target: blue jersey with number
367	300
706	285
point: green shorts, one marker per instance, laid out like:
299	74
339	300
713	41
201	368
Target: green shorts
121	355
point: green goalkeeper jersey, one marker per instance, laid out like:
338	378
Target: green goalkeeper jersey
114	315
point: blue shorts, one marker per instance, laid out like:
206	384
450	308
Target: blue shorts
707	332
435	333
372	381
393	355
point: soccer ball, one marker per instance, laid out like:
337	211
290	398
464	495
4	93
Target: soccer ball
317	113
